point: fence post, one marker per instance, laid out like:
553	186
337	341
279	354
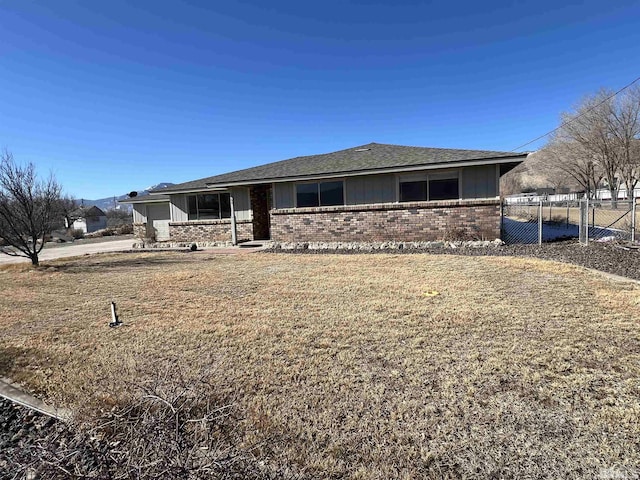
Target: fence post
633	220
540	223
583	221
586	217
567	213
502	200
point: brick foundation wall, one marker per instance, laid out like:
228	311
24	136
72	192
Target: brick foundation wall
209	231
402	222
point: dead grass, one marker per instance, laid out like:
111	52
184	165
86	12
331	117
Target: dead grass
604	216
344	368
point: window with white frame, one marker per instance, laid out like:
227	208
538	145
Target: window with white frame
209	206
423	187
320	194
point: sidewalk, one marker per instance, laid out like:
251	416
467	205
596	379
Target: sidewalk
73	251
122	246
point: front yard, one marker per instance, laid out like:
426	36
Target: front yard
354	366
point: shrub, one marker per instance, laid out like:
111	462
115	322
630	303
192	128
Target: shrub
169	424
77	233
453	234
124	229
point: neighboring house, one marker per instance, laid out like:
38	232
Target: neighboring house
370	193
91	220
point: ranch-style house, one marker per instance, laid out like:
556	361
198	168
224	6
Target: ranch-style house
370	193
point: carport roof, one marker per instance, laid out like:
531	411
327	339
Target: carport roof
146	199
365	159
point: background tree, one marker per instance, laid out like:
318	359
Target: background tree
69	210
564	157
624	122
29	208
600	139
118	217
589	126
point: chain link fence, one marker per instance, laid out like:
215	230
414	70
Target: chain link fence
603	220
546	221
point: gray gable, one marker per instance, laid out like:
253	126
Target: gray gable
370	157
92	211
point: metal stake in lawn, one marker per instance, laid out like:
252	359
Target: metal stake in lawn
115	320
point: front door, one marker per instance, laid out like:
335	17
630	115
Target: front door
260	205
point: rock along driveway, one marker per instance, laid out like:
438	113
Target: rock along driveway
71	250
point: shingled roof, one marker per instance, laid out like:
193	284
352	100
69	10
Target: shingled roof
373	157
92	211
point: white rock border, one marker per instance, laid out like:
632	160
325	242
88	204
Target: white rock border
373	246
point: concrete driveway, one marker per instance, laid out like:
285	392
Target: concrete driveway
73	250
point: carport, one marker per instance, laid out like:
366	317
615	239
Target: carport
158	218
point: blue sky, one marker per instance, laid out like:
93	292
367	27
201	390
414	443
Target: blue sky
114	96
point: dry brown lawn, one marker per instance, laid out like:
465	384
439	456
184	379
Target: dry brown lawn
343	366
619	218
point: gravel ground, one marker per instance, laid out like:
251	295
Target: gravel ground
618	259
36	447
23	432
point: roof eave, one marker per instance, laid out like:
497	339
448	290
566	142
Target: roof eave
144	199
208	186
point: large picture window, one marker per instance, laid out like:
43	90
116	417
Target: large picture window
415	191
442	186
209	206
443	189
320	194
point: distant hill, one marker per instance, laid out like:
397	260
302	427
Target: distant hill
534	173
109	203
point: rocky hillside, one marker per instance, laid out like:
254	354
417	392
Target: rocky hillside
537	171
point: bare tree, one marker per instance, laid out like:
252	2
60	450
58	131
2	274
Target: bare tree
624	123
28	208
590	127
117	217
70	210
566	157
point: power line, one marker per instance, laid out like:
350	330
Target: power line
577	117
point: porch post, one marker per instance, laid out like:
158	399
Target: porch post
234	233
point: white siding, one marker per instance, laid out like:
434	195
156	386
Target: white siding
80	224
139	213
178	208
90	224
158	220
479	182
241	203
283	195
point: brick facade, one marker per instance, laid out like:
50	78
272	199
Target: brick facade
403	222
209	231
